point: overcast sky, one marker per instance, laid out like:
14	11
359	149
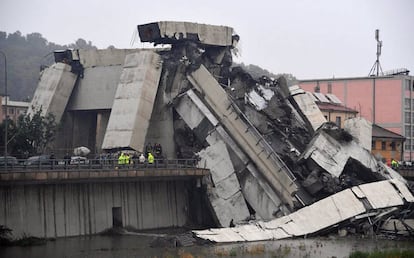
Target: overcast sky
308	38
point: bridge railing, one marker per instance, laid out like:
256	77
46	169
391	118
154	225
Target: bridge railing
95	164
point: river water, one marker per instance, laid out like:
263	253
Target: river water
99	246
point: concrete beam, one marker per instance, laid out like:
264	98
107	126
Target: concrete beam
96	175
168	32
134	102
53	91
90	58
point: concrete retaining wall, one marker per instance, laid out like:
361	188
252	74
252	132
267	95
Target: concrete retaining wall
81	209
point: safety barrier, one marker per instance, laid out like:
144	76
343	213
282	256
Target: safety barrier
95	164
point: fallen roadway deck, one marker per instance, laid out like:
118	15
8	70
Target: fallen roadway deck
357	202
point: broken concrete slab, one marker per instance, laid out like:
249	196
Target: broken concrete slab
303	101
334	209
330	151
168	32
225	194
361	130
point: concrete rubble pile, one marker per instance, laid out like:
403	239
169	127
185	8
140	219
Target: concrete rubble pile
276	163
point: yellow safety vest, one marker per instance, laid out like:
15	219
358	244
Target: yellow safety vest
150	158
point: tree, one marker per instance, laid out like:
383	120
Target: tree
25	56
32	134
11	130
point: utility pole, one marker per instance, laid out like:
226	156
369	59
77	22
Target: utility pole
6	125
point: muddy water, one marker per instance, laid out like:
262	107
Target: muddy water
138	246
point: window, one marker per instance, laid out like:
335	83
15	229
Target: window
22	111
11	111
407	131
407	144
383	145
407	103
338	121
407	117
407	85
330	87
373	145
317	88
393	146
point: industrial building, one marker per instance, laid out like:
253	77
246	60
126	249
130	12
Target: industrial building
387	101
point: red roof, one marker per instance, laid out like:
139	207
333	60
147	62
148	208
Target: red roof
381	132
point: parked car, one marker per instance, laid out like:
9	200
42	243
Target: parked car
75	160
38	160
11	161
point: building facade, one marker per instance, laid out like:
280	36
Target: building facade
387	101
386	145
14	108
332	108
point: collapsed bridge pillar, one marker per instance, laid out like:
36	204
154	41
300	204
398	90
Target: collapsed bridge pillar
134	102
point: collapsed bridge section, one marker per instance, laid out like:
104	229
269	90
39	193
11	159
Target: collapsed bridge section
268	162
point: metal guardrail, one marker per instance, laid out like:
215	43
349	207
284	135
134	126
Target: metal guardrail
96	164
262	141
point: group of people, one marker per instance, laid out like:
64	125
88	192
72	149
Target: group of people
124	159
142	158
152	152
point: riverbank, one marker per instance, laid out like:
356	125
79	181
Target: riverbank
106	246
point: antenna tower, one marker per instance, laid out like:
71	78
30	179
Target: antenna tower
375	70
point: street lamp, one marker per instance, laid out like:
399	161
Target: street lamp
5	108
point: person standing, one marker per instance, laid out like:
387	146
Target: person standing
158	150
150	158
141	158
67	159
121	159
394	164
127	159
148	149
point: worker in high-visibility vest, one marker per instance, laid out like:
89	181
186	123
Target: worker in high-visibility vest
394	164
121	159
150	158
